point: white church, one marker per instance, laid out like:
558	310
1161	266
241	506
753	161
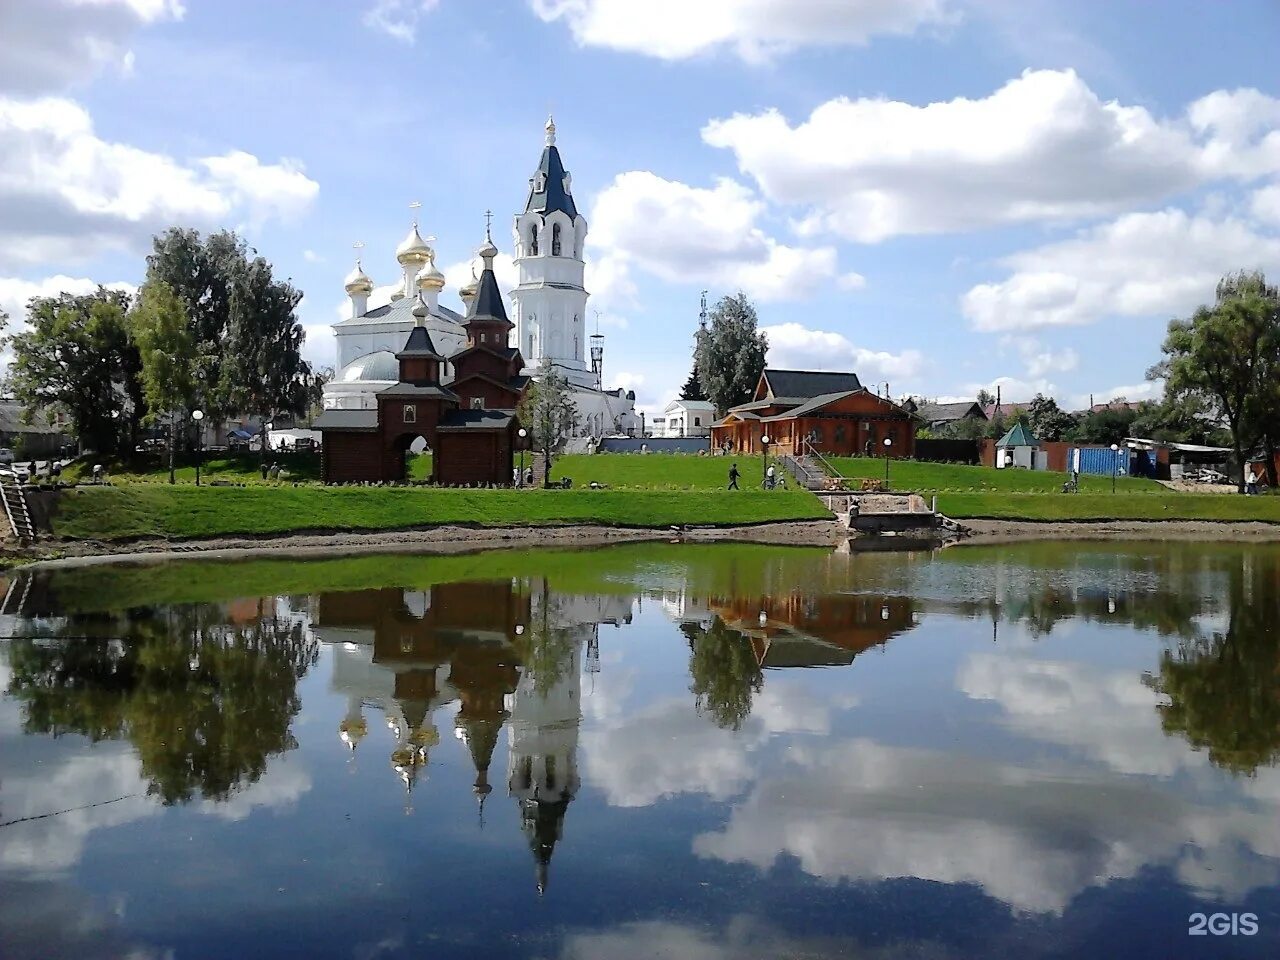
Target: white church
549	308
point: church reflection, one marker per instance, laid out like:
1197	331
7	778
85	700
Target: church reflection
507	653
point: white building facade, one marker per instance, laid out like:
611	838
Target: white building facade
685	418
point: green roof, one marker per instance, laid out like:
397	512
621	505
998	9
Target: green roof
1019	436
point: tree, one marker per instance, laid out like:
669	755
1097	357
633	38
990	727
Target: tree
246	334
161	331
730	352
76	357
549	415
263	371
205	705
986	399
202	273
725	674
1047	421
1224	354
692	389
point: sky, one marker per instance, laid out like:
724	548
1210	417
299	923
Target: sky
940	195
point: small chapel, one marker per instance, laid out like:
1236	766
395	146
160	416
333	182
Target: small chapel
470	425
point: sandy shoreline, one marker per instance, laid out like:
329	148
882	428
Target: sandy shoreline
457	539
437	540
1191	531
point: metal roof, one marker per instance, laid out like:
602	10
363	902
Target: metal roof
553	195
347	420
945	412
403	389
817	403
398	311
809	383
457	420
417	347
1018	436
381	365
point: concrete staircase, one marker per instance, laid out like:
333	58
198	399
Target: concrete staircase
17	512
811	473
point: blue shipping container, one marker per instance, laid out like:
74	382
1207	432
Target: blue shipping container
1101	461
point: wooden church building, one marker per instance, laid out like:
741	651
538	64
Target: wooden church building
470	425
805	411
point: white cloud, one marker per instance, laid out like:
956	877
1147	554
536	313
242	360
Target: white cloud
625	380
754	29
1041	360
1032	836
1042	147
794	346
398	19
312	257
685	234
66	194
1142	264
1012	389
15	293
1265	205
47	45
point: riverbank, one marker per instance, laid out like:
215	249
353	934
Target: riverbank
983	532
140	511
440	540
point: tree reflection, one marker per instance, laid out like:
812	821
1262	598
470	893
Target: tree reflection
726	675
1224	690
204	704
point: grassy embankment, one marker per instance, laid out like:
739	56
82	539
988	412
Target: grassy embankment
129	511
966	492
230	467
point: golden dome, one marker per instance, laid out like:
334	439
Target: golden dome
468	293
431	278
358	281
413	249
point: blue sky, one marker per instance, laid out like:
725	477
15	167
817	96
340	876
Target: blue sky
940	194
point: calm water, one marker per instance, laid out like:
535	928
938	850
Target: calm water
645	751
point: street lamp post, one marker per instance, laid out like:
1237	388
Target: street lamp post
764	445
888	442
1115	465
198	417
521	433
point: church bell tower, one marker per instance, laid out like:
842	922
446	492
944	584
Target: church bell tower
550	300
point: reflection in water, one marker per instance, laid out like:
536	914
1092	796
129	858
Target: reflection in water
204	700
790	719
1224	686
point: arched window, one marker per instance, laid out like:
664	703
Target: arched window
533	239
555	239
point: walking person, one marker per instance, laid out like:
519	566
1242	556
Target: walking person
770	478
733	477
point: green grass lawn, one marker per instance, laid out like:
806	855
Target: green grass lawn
233	467
130	511
1122	506
657	471
931	478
